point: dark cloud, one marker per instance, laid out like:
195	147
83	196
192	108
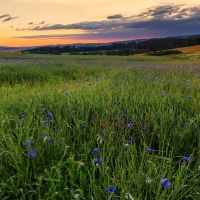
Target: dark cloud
9	18
158	21
118	16
30	23
4	16
42	22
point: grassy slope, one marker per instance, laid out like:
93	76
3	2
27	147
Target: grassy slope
91	57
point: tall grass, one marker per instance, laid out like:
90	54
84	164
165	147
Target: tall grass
84	105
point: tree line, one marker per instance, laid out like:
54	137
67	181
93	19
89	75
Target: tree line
120	48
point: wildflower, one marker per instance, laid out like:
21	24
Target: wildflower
83	126
102	133
115	102
130	125
51	140
124	115
111	189
95	150
165	182
143	129
128	142
98	160
148	180
44	137
49	114
27	143
32	153
189	97
168	104
186	159
148	150
60	143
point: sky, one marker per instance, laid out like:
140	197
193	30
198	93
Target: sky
51	22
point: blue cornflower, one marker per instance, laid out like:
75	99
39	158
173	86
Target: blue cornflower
148	150
168	104
51	140
27	143
22	113
49	114
111	189
143	129
44	137
130	125
51	121
68	111
60	143
98	160
95	150
124	115
165	182
128	142
102	133
32	153
189	97
186	159
115	102
83	126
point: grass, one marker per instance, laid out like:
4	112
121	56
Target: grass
136	57
87	104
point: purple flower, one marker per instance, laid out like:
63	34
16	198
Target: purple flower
128	142
130	125
98	160
32	153
27	143
83	126
51	140
111	189
102	133
186	159
44	137
148	180
115	102
60	143
95	150
143	129
148	150
165	182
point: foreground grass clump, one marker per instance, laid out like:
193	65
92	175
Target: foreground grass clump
99	130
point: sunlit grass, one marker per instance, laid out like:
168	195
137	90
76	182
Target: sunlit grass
99	104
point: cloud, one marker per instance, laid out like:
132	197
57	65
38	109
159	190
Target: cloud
4	16
30	23
161	21
118	16
9	18
42	22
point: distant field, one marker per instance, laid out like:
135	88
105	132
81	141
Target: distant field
193	53
188	50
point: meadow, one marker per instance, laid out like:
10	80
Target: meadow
124	128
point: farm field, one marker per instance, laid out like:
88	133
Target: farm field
99	128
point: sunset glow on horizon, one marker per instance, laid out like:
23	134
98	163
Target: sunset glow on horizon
51	22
